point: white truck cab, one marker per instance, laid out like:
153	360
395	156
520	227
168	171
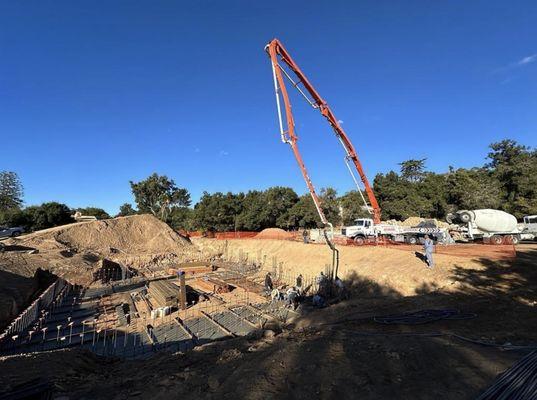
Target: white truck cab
362	229
528	228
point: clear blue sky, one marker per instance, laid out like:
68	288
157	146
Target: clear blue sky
94	94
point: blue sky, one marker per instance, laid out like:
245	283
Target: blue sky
94	94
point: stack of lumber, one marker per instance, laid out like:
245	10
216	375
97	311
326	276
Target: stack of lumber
192	268
213	285
163	293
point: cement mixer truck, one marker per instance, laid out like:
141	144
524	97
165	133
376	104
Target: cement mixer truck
493	226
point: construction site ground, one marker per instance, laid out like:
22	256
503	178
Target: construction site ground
335	352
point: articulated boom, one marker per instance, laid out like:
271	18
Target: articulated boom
277	52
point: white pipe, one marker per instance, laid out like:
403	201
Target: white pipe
358	186
276	91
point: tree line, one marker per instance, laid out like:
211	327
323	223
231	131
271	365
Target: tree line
507	181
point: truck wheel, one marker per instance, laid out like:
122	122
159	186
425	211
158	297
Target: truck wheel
465	217
495	239
513	239
15	234
412	240
359	240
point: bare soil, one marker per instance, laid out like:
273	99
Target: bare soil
340	351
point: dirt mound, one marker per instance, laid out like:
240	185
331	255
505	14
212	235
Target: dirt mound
413	221
137	234
274	233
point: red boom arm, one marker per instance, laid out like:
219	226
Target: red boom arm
277	52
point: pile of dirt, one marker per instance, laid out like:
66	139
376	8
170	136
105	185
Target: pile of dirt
136	234
274	233
414	221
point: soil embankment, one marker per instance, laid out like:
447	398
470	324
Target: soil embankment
402	271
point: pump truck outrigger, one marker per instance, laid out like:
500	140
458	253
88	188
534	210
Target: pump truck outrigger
278	55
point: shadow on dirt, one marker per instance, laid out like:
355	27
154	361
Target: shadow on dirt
340	352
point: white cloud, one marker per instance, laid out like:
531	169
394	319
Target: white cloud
527	60
340	121
223	153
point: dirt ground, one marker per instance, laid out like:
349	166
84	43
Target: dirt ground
339	351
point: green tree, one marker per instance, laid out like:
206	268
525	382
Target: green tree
47	215
472	189
352	207
330	205
181	218
515	168
400	198
277	201
251	217
98	213
218	211
158	195
126	209
11	191
413	170
303	214
433	189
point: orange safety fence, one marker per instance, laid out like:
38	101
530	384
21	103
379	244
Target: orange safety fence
235	235
470	250
220	235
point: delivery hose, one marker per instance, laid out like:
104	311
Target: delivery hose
423	317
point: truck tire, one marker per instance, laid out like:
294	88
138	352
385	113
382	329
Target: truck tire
359	240
465	217
412	240
511	239
496	239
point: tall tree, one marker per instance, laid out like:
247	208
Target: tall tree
47	215
277	201
352	207
474	188
251	217
303	214
515	168
331	206
11	191
413	170
218	211
158	195
126	209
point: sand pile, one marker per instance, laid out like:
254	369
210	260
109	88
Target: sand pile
274	233
137	234
414	221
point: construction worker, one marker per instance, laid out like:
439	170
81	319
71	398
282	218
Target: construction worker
292	297
299	282
268	283
305	236
321	283
428	246
340	289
